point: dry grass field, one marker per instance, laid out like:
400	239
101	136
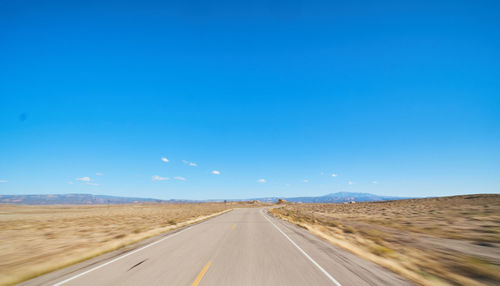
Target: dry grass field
38	239
435	241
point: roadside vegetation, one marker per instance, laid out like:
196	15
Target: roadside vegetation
436	241
38	239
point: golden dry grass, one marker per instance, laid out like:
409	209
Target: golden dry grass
39	239
435	241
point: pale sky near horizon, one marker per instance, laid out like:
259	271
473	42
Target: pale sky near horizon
214	100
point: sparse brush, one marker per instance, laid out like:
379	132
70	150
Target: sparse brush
477	267
332	223
348	229
380	250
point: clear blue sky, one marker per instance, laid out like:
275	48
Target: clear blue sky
394	97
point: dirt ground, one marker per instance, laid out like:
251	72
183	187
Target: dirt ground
436	241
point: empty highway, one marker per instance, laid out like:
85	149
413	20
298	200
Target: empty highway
240	247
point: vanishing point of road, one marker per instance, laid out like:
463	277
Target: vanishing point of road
240	247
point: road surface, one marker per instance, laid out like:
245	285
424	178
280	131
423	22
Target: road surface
240	247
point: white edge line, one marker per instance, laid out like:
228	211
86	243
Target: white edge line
120	257
303	252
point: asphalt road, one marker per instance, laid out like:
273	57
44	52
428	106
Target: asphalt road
241	247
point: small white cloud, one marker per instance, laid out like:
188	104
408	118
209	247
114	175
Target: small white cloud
191	164
374	182
306	181
92	184
350	183
261	181
70	182
158	178
99	174
3	181
215	172
83	179
334	175
180	178
164	159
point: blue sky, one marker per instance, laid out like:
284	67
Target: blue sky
393	97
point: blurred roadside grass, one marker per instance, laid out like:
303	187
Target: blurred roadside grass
435	241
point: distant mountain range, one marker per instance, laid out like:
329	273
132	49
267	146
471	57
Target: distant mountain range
344	197
71	199
88	199
339	197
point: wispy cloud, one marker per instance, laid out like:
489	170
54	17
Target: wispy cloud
374	182
159	178
262	181
305	181
83	179
3	181
191	164
215	172
99	174
70	182
92	184
350	183
334	175
180	178
164	159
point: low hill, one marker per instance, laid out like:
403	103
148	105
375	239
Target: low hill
89	199
73	199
